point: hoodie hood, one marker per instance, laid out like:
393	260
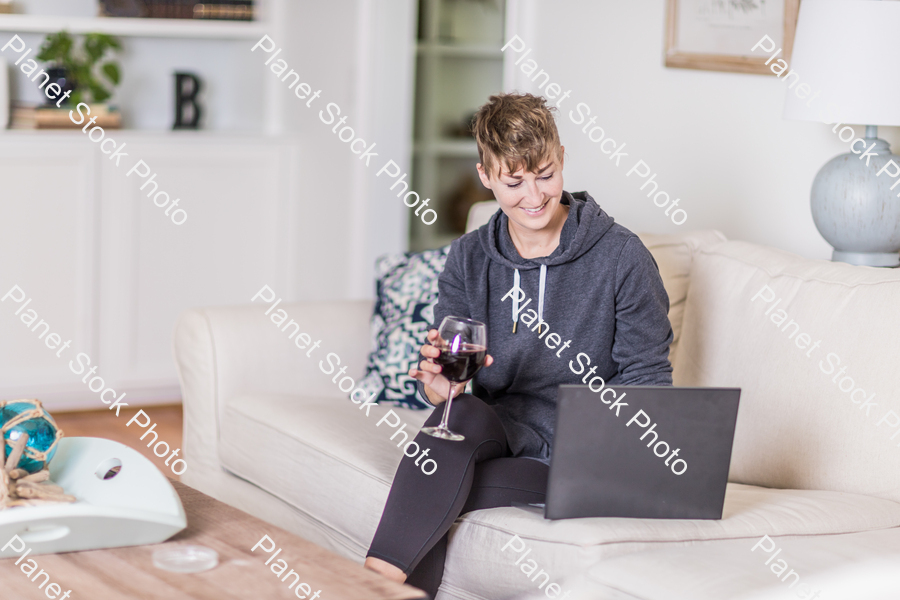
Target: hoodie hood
584	226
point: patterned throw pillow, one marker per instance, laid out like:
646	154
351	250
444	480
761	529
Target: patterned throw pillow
407	291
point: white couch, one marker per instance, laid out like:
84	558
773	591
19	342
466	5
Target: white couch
268	432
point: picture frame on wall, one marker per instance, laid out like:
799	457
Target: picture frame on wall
717	35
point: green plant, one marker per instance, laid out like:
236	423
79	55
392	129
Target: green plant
91	83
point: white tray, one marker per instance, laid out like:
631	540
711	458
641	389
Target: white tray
137	506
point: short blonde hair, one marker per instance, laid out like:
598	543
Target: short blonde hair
515	130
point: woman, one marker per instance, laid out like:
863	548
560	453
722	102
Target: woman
589	281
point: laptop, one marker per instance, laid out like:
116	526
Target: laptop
601	466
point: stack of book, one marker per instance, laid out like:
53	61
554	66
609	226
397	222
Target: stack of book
229	10
239	10
29	116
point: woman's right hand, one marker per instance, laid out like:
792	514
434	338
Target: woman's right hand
436	385
429	373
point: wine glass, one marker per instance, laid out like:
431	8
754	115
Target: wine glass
463	346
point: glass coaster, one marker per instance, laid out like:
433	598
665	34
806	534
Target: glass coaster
186	559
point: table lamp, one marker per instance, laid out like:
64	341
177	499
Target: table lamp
846	52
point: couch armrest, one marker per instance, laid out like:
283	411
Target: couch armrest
223	352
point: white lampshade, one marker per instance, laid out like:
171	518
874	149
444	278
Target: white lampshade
849	51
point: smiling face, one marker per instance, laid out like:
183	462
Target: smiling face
531	200
521	162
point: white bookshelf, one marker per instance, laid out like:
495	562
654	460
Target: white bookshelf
149	28
236	97
458	65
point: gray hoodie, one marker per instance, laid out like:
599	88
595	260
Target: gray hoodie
600	290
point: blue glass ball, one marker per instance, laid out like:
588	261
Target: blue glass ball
41	432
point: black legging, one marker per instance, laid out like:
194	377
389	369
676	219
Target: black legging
472	474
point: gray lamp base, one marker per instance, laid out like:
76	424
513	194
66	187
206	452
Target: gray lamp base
855	210
869	259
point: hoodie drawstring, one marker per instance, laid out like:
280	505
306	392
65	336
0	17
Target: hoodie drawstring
515	300
541	298
515	304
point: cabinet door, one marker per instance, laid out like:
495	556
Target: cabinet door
233	241
47	249
109	271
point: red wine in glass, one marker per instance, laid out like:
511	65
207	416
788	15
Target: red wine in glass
463	346
461	365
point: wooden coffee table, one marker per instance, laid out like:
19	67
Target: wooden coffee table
241	575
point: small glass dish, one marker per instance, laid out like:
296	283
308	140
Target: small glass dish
186	559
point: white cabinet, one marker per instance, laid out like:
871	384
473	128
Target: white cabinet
112	274
47	218
292	208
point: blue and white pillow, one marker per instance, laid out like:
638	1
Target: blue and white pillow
407	290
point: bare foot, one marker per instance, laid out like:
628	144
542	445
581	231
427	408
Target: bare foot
385	568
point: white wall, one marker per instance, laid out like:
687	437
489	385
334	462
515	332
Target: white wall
715	140
385	63
360	54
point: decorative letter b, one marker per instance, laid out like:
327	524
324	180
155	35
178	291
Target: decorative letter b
186	95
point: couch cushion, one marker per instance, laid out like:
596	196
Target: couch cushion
324	457
566	547
674	254
407	291
329	460
796	427
857	565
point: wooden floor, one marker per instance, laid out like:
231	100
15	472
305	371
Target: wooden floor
105	424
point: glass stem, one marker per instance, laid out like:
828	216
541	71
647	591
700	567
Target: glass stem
446	416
